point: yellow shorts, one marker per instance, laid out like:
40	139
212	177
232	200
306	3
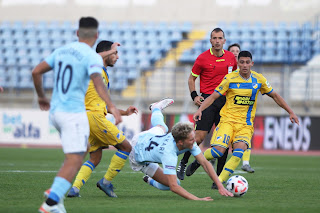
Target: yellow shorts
227	133
102	132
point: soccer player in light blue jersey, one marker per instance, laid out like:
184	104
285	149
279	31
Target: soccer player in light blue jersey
74	65
158	146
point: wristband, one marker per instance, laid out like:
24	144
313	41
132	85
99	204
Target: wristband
193	95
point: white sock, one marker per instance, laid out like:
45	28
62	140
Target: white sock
76	190
245	162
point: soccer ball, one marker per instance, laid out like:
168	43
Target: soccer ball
237	185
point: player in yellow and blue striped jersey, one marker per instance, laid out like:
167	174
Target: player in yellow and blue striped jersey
102	131
237	115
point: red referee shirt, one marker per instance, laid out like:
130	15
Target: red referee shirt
212	69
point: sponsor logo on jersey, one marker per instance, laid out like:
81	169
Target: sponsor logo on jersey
243	100
170	167
219	60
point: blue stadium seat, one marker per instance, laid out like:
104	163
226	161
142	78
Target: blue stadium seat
258	34
257	55
270	45
139	36
269	34
247	46
132	74
268	56
186	26
24	60
10	52
120	84
294	34
294	46
25	78
282	45
3	76
247	35
282	35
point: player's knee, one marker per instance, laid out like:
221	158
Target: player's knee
95	158
151	169
124	146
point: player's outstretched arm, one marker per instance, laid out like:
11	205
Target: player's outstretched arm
37	73
213	175
174	187
103	93
283	104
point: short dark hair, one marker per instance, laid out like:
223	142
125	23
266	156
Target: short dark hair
216	30
88	23
245	54
234	45
104	46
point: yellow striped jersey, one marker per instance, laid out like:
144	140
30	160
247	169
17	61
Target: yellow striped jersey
92	100
241	95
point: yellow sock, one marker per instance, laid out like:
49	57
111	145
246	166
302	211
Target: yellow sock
246	155
231	165
207	154
211	153
117	163
84	174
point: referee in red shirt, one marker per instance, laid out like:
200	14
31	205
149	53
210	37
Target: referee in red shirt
211	65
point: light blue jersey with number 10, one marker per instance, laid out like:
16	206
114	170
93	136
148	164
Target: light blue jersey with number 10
72	64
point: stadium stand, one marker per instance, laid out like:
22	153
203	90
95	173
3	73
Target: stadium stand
270	43
23	45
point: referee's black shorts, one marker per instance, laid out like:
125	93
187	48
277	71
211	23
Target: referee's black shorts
211	115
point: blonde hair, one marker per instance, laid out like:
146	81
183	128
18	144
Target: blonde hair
180	131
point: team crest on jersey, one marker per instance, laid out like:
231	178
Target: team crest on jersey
254	85
238	85
243	100
220	88
219	138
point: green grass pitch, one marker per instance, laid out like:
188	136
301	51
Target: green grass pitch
280	184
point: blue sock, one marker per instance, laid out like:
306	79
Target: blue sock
59	188
159	185
157	118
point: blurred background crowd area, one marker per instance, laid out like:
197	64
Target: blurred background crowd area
160	40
